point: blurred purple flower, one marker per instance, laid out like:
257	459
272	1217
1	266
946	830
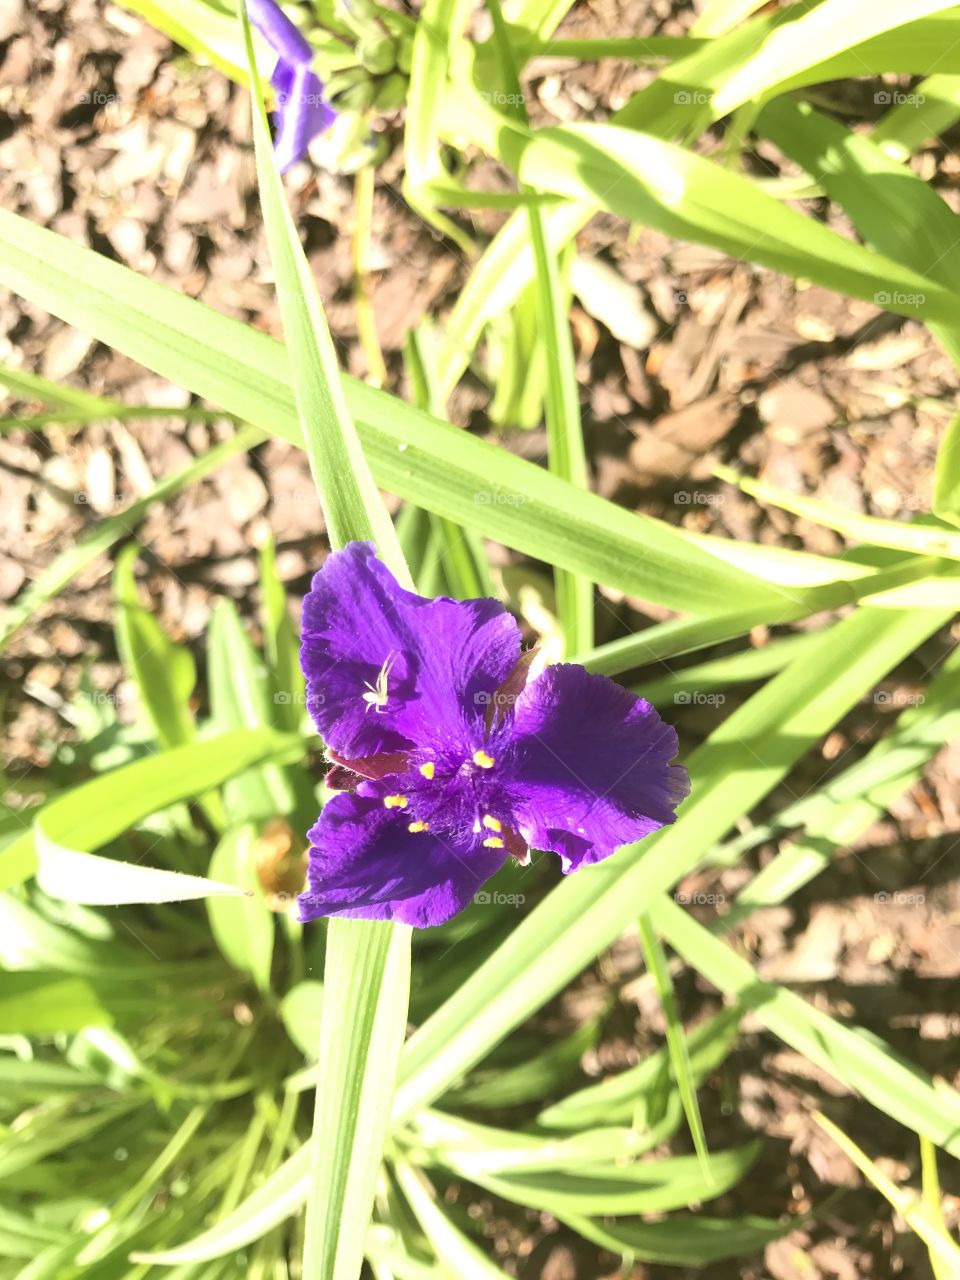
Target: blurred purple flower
302	109
453	761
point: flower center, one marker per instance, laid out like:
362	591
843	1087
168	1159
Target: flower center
456	792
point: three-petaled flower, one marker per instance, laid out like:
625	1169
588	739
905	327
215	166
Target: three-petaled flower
302	109
448	761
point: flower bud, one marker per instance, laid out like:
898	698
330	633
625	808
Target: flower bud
281	861
357	98
405	56
392	93
378	55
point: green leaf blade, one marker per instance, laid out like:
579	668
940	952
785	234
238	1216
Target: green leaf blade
367	965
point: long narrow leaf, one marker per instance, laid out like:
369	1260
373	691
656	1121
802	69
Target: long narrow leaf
730	772
654	182
682	1240
946	487
565	448
918	538
96	812
367	965
860	1061
67	830
895	211
165	673
832	28
280	1196
74	876
658	968
916	1212
443	469
459	1253
351	504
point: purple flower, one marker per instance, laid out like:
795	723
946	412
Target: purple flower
454	762
302	109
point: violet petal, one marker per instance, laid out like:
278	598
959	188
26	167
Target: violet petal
364	863
590	766
443	658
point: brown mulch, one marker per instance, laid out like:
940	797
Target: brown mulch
113	138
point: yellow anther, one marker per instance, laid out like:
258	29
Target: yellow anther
493	824
395	802
493	842
483	760
428	769
418	826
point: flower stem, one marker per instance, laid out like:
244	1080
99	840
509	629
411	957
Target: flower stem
362	284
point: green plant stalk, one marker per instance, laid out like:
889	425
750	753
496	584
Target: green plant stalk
578	919
242	1162
861	1062
107	411
445	548
912	1208
413	455
566	453
918	539
363	188
367	964
439	28
657	967
642	49
933	1202
20	384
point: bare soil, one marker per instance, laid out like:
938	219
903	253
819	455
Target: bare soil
109	135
